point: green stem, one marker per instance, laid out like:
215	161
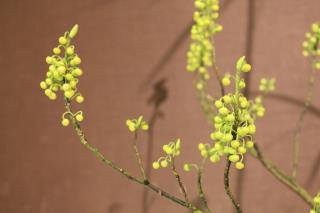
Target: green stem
298	128
109	163
227	187
138	156
282	177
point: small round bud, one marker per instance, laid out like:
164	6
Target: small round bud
214	158
164	163
43	85
145	127
246	68
69	77
79	117
223	111
218	104
49	60
227	99
69	93
239	165
156	165
79	99
235	144
47	92
249	144
186	167
242	150
228	137
66	87
77	72
316	200
65	122
76	60
226	81
242	84
70	51
201	146
62	40
53	96
204	153
56	50
230	118
234	158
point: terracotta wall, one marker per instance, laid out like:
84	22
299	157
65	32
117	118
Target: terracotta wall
127	48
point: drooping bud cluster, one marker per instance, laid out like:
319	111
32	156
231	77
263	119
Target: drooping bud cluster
136	124
200	53
171	151
63	72
311	45
234	123
316	204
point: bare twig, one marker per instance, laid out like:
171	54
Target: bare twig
200	188
138	156
181	185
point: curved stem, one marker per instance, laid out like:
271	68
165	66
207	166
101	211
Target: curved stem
296	142
109	163
227	187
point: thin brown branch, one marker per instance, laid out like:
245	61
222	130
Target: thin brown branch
178	178
138	156
227	187
200	188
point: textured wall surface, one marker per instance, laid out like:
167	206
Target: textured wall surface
127	48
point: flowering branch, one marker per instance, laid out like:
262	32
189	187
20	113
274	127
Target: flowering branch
100	156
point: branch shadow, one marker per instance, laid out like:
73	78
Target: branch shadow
159	96
114	208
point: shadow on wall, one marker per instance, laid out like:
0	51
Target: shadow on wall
159	96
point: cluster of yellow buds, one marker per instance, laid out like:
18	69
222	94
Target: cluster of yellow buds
200	53
316	204
171	151
311	44
63	73
136	124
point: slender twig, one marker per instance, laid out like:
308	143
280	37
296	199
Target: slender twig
138	156
227	187
282	177
200	188
109	163
178	178
296	142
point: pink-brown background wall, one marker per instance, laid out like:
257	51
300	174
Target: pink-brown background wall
127	47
